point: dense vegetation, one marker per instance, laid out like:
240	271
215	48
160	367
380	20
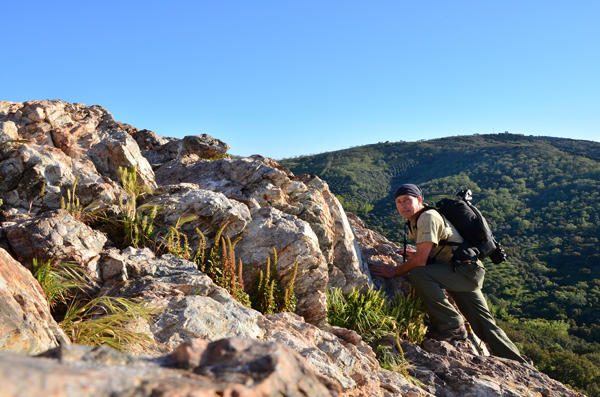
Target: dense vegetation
540	195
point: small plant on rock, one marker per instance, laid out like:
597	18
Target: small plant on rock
396	362
135	226
269	296
73	206
231	276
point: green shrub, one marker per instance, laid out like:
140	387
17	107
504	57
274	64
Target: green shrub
373	316
410	314
368	314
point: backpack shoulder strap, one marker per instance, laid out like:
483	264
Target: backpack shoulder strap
425	208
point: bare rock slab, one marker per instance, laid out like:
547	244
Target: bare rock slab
228	367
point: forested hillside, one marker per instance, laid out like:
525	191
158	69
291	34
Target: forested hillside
540	195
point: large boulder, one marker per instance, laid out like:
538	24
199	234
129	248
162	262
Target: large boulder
293	240
26	325
322	210
257	180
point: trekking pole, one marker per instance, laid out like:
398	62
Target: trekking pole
405	233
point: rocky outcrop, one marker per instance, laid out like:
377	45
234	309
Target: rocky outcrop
265	187
26	325
205	342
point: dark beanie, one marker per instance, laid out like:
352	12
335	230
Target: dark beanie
408	189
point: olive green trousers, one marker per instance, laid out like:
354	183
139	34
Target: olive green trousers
464	285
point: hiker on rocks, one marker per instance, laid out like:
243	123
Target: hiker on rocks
431	270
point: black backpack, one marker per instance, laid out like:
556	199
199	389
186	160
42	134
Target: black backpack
479	242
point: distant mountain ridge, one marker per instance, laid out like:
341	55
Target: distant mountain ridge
540	194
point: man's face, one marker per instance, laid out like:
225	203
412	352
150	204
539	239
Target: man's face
408	206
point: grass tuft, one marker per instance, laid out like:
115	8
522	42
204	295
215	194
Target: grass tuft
92	321
108	320
58	280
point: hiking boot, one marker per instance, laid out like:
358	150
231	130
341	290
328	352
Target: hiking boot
458	333
527	359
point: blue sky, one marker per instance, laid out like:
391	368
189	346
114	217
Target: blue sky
287	78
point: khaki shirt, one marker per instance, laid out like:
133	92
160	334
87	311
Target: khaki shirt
433	227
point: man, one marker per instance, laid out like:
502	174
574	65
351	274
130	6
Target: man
431	271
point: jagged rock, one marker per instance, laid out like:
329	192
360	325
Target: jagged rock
210	210
230	367
253	179
26	325
203	146
55	235
322	210
34	178
339	355
374	249
148	140
117	150
293	240
8	131
450	371
192	305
